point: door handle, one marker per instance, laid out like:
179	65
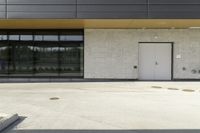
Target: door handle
156	63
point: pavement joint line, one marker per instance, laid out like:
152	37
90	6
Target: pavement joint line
54	98
188	90
157	87
172	88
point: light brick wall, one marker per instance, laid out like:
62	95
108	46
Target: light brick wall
112	53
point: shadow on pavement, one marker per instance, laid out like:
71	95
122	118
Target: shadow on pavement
104	131
13	125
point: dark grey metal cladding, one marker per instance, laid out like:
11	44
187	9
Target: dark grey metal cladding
2	15
111	15
115	2
40	15
174	9
174	1
41	2
2	9
112	8
2	1
119	9
41	9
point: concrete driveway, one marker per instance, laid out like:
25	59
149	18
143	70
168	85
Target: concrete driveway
102	106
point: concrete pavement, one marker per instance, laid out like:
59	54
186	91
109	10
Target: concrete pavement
103	106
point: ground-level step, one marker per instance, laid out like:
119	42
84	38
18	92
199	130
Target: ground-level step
7	119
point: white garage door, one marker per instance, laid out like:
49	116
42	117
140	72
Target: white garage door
155	61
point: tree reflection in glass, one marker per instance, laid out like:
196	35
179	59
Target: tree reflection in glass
21	59
46	59
4	56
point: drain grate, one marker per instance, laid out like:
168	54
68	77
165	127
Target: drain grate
188	90
157	87
54	98
172	88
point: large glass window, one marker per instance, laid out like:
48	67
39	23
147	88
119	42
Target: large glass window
21	59
46	59
73	64
41	53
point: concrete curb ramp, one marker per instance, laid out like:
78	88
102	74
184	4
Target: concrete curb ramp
6	120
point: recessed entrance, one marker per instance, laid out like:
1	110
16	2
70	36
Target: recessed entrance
155	61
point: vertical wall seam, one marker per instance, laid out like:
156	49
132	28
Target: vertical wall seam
6	9
148	4
76	9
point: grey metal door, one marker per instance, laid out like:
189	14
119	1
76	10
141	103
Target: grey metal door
155	61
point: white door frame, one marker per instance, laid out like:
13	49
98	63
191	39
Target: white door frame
172	59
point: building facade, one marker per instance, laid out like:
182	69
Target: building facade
58	40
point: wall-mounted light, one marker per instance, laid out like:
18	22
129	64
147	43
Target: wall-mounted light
155	37
143	28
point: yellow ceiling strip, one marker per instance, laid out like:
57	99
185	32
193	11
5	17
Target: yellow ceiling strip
97	23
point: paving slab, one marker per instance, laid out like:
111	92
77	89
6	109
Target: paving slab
58	107
6	120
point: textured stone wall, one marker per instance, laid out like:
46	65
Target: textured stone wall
112	53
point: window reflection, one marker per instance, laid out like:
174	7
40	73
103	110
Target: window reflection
3	37
70	60
4	56
37	54
26	37
46	37
46	59
71	38
38	38
21	59
50	37
14	37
